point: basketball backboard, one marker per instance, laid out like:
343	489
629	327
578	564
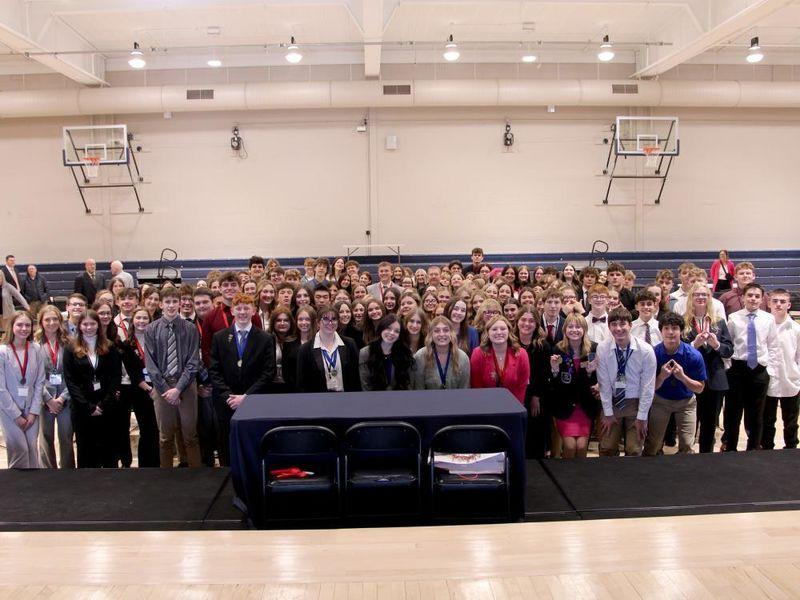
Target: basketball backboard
643	136
105	144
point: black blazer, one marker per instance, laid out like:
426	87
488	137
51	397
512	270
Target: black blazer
258	363
311	369
715	368
288	367
84	284
568	388
80	376
558	332
133	363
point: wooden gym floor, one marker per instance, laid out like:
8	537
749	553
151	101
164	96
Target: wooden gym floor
747	556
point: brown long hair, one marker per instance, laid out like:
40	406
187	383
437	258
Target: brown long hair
513	342
79	345
8	336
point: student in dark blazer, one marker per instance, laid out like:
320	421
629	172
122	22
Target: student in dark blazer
328	362
92	372
89	282
242	363
708	333
552	319
287	345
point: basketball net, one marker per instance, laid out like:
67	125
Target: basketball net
91	165
651	156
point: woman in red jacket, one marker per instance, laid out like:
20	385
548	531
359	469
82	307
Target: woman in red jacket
500	361
722	271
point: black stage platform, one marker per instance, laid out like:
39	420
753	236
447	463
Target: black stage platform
557	490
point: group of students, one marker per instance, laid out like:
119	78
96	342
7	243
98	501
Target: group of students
579	349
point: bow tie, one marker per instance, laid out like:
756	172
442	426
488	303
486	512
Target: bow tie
598	319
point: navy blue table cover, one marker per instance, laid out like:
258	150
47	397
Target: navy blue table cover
427	410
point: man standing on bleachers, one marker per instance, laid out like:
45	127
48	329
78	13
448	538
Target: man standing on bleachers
89	282
10	271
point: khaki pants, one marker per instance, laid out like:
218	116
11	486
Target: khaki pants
626	422
685	412
180	420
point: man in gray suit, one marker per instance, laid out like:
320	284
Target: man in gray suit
376	290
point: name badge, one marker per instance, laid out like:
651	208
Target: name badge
146	375
619	383
55	379
96	386
22	392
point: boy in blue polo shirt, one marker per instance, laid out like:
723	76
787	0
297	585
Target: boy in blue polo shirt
680	374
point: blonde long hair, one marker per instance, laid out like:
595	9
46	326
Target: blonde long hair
586	343
711	311
431	346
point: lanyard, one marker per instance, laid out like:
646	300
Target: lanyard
700	325
124	325
225	317
622	359
500	372
330	359
199	327
241	343
443	372
53	352
23	366
139	349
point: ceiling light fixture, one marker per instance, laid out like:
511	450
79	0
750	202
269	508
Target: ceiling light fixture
136	60
214	62
606	51
754	55
529	58
293	54
451	52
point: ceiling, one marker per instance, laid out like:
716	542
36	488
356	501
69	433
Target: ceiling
84	39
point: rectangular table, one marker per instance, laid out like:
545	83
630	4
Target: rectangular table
427	410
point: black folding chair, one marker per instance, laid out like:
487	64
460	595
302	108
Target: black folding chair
459	493
300	473
382	469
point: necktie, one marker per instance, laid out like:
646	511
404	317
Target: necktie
598	319
647	337
618	400
550	332
752	351
172	351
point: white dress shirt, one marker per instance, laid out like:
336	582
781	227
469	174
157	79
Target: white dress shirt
766	339
597	332
786	383
638	328
640	375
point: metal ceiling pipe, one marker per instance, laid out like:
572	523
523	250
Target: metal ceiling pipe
423	93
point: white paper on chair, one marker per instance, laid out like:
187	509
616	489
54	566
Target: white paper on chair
493	463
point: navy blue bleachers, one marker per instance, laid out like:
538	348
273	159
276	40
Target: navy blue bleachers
775	268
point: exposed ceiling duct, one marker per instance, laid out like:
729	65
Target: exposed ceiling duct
423	93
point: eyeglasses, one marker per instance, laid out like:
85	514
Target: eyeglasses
491	312
329	320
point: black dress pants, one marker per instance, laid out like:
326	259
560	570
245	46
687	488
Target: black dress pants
708	405
747	394
789	411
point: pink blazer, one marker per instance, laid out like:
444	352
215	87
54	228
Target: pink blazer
516	374
715	272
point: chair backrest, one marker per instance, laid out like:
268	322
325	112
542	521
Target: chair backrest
383	435
301	440
470	439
